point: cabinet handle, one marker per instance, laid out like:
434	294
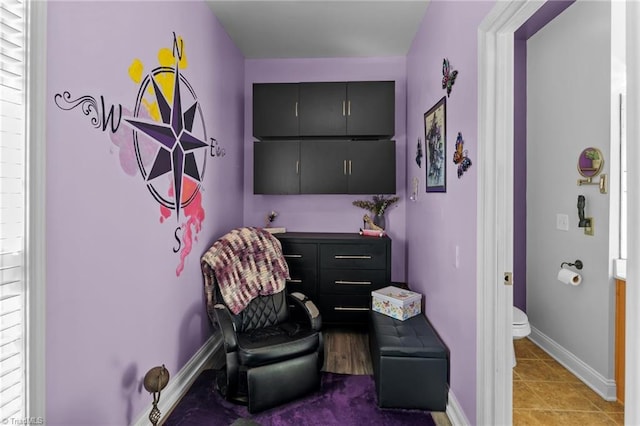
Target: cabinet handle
340	256
345	166
349	167
343	108
352	282
346	308
297	167
297	256
349	108
296	108
294	281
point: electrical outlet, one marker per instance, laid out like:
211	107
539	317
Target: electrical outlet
562	222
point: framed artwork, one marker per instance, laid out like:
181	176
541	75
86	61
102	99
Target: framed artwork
435	128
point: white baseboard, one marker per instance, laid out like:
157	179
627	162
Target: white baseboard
179	384
604	387
455	413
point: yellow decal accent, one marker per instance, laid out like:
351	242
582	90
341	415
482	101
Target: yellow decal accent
135	70
165	81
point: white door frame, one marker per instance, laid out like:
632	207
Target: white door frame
494	390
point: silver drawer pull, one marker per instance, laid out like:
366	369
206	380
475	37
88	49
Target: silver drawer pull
343	308
297	256
342	282
294	281
339	256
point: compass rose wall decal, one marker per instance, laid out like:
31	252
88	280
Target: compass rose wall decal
164	138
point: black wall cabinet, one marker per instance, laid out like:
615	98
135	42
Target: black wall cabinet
347	167
276	167
364	109
275	110
324	138
324	167
371	108
323	109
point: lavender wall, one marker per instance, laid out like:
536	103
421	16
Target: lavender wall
116	305
327	213
443	223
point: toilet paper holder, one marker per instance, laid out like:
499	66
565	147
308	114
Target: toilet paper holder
577	264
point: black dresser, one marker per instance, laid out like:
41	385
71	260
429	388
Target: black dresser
337	271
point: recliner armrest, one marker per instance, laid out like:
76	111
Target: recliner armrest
223	316
309	308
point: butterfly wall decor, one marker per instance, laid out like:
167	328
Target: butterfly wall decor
460	156
448	76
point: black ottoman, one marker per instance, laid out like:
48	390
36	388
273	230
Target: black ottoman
410	363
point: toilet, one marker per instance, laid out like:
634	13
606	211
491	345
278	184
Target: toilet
520	329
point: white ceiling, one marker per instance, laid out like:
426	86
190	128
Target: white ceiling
320	29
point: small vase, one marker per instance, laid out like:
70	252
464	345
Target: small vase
379	220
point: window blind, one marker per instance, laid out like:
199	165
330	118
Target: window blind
12	209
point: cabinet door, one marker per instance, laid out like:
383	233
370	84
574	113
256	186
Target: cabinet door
371	108
275	110
372	167
323	167
276	167
322	109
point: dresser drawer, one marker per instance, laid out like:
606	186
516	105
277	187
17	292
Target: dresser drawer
298	254
345	309
302	280
352	281
351	256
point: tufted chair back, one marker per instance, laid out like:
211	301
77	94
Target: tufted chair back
263	311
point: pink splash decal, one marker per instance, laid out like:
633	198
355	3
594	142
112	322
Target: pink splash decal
164	213
123	139
195	217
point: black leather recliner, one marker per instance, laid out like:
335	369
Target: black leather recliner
270	359
273	348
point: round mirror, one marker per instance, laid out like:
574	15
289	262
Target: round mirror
590	162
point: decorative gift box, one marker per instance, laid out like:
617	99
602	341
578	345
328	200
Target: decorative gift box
396	302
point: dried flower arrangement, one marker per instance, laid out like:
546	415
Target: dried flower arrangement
379	204
271	216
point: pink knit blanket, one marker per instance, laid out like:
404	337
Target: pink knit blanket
247	262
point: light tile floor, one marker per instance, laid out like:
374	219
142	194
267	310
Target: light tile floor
546	393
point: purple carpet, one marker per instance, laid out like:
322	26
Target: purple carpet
342	400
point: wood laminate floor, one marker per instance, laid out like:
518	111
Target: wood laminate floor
346	351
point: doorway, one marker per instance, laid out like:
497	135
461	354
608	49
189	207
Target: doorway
495	208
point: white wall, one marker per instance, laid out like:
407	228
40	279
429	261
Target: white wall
569	109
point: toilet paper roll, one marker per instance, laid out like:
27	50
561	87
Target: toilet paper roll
567	276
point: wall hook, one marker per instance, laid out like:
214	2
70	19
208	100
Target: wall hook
414	191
